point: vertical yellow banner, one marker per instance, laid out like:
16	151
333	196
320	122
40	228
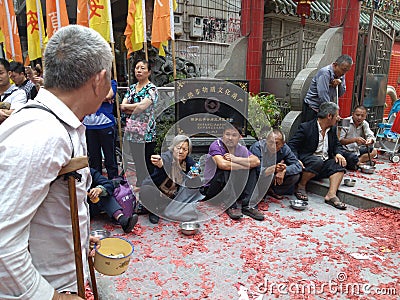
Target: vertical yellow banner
100	18
35	28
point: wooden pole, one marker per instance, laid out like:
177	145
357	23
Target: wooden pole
76	163
146	55
173	57
93	278
76	236
117	100
129	71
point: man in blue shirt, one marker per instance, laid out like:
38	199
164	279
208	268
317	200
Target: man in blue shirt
326	86
277	160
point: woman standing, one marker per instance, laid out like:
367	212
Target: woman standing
140	130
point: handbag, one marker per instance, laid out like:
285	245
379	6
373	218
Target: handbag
134	126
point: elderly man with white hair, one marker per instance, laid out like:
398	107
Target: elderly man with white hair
36	246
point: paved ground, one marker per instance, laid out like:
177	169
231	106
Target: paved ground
381	187
319	253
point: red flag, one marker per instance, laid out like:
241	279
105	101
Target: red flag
163	23
82	14
8	24
56	16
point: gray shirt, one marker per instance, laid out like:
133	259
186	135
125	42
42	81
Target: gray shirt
362	130
321	91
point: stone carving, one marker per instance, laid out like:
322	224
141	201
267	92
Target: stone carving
162	67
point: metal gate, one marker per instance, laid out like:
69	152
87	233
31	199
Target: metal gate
283	58
373	62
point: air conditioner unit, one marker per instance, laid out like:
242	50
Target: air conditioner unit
196	27
178	26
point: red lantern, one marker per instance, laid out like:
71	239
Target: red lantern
303	9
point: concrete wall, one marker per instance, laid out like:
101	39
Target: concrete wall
233	66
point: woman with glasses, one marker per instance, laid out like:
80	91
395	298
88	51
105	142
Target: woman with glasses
173	172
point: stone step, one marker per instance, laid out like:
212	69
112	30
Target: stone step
348	196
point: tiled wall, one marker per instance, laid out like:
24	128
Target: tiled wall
252	20
394	75
350	21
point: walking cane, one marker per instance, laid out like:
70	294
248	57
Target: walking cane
68	171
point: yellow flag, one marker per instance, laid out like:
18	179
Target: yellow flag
35	28
2	39
135	26
100	19
163	24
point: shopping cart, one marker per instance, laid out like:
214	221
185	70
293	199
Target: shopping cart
387	139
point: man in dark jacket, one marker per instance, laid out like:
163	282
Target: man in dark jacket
317	146
102	199
277	160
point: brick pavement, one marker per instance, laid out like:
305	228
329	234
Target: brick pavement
289	253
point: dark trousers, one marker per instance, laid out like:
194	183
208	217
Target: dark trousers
107	204
99	140
307	113
240	186
141	153
287	187
322	168
351	159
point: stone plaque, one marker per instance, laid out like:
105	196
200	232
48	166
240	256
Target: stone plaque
203	106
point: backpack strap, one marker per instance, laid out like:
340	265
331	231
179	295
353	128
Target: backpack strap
8	94
57	117
75	174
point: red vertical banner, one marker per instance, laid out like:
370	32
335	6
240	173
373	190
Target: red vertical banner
82	13
56	16
9	27
350	24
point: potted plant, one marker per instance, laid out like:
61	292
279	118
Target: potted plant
263	109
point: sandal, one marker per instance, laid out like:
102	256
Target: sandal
301	194
336	203
274	195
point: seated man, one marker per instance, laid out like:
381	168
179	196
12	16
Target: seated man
356	138
277	160
101	198
317	146
227	158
